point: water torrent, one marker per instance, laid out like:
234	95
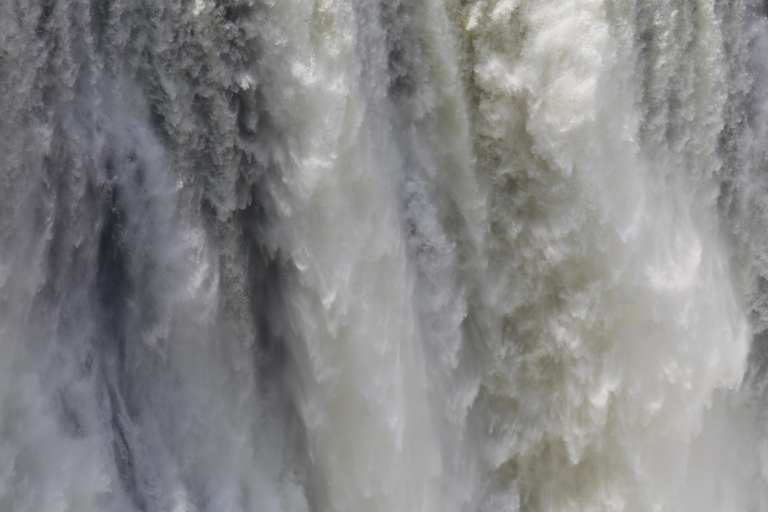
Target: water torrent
383	256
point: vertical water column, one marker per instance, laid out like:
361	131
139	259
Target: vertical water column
609	315
361	383
443	207
46	315
134	347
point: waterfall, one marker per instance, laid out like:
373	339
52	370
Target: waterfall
383	256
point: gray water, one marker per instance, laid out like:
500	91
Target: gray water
383	256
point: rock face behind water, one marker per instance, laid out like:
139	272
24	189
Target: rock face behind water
383	256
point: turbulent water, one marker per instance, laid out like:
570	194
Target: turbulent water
383	255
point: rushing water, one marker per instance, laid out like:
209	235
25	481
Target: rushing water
383	256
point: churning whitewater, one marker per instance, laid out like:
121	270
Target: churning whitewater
383	255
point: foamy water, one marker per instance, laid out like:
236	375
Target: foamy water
342	256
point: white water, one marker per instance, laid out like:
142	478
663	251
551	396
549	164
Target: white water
344	256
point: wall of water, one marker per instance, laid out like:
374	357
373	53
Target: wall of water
342	256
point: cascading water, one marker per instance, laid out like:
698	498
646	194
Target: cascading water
383	256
